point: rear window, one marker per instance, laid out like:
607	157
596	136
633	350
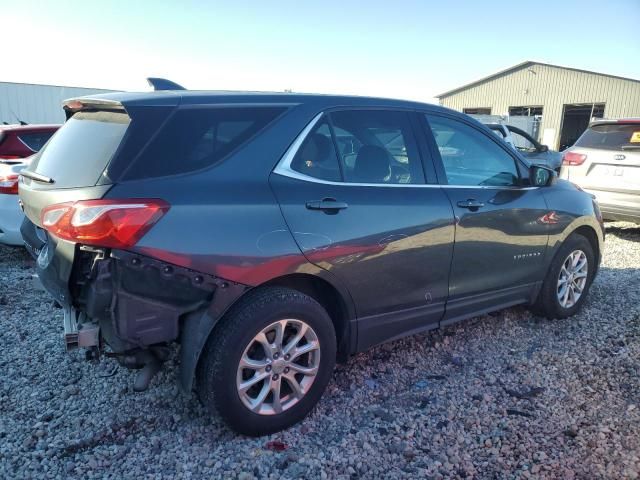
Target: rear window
79	152
35	141
197	138
615	136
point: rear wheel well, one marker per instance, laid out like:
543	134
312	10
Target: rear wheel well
326	295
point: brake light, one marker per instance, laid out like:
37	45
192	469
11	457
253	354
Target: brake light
573	158
9	184
103	223
10	157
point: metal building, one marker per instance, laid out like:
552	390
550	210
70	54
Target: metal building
561	100
32	103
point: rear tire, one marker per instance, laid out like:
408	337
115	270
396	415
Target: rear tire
259	343
567	283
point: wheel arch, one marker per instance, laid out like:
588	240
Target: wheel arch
332	298
198	326
590	234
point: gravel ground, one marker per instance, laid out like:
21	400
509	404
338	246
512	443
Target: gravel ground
507	395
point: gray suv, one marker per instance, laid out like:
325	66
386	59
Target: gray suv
271	235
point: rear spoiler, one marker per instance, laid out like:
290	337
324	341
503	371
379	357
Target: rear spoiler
74	105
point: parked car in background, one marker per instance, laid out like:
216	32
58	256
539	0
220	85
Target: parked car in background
17	143
21	141
273	234
11	215
605	161
528	146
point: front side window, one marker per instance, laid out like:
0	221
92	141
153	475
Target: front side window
523	143
469	157
376	146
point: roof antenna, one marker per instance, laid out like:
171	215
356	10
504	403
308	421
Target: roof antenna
163	84
21	122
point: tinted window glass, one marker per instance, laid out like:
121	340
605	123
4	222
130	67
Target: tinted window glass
316	156
35	141
611	137
377	147
197	138
78	153
470	157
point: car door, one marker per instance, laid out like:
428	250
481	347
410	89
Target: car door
501	235
353	193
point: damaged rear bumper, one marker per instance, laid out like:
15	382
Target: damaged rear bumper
78	330
137	305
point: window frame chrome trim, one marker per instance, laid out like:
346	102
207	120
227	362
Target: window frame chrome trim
284	168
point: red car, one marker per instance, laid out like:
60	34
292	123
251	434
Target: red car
20	141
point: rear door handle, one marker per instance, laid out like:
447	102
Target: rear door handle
472	204
328	205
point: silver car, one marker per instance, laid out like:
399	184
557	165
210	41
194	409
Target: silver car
605	161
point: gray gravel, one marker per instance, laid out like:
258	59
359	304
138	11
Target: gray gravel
500	396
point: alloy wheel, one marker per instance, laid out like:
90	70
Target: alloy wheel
278	367
572	278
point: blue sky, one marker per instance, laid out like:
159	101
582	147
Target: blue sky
403	48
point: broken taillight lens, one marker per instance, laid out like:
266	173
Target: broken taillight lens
103	223
572	158
9	184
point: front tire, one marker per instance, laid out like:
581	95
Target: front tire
268	362
568	280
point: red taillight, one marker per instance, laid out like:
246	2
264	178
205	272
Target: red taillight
10	157
572	158
103	223
9	184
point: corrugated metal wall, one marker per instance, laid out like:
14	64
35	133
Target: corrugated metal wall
37	103
552	88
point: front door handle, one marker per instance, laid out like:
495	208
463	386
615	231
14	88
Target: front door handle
328	205
471	203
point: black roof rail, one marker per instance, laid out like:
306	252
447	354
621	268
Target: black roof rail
163	84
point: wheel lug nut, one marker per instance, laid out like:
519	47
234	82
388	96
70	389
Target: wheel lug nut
286	370
275	377
276	355
268	369
287	356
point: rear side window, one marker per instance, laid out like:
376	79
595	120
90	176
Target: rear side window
35	141
81	150
317	157
377	146
197	138
611	137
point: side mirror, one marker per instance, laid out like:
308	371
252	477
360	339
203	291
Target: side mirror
541	176
543	148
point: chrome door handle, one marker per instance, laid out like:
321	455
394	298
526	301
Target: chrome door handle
328	205
471	203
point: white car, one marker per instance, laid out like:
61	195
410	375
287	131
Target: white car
10	212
